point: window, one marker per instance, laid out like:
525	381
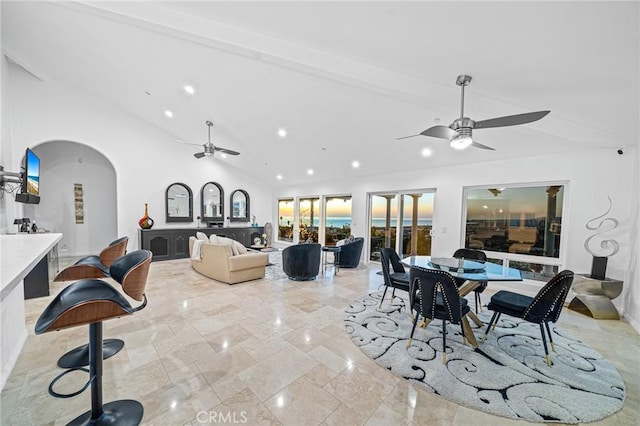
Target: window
337	225
309	218
401	220
519	221
285	219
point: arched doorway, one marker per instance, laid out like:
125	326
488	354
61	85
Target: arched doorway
77	197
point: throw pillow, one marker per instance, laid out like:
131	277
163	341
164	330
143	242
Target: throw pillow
213	238
341	243
202	236
228	242
351	239
240	248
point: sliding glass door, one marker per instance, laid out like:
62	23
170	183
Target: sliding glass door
416	219
401	220
384	213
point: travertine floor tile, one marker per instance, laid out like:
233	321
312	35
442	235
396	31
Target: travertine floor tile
262	352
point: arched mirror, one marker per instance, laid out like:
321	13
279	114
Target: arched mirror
212	199
239	206
179	203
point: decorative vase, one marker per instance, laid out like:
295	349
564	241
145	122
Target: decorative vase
146	222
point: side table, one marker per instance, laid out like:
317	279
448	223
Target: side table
593	297
336	258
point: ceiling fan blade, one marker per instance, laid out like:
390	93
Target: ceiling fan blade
226	151
511	120
442	132
199	154
407	137
186	143
479	145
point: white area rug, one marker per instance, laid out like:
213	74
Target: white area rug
506	376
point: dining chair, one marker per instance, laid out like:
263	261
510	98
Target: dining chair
398	279
434	295
545	307
465	253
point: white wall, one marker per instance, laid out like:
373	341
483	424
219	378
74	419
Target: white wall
591	176
63	164
11	163
145	159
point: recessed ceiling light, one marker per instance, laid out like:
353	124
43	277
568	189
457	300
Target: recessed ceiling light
168	113
426	152
310	171
189	89
279	177
282	133
355	164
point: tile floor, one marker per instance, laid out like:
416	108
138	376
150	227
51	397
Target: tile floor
261	352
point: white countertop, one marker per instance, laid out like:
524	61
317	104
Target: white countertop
19	253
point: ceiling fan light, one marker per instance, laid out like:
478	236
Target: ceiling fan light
208	154
461	142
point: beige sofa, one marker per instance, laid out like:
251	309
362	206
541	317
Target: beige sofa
217	261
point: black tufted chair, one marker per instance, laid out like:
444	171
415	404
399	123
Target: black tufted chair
301	262
465	253
90	302
95	266
350	253
398	279
434	295
545	307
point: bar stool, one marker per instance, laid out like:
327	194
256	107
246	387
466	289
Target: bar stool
92	301
336	258
93	267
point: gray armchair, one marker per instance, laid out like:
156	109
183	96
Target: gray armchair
301	262
350	253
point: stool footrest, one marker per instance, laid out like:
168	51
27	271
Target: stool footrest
72	394
79	357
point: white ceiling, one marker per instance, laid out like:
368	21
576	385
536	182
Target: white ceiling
346	78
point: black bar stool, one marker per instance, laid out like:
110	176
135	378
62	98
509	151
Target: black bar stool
91	302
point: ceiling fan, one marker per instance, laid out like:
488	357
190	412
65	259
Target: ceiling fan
209	148
459	133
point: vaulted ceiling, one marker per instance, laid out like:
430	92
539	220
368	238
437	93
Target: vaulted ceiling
345	79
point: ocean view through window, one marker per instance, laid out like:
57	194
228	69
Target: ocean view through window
337	223
519	221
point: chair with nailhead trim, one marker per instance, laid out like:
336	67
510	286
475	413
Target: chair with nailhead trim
398	279
434	295
545	307
478	255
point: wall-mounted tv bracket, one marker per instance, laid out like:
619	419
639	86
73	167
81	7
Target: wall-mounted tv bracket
9	177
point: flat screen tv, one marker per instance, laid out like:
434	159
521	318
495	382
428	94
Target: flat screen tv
30	179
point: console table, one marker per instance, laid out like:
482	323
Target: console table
173	243
21	254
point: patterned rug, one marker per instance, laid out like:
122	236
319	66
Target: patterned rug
274	271
506	376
